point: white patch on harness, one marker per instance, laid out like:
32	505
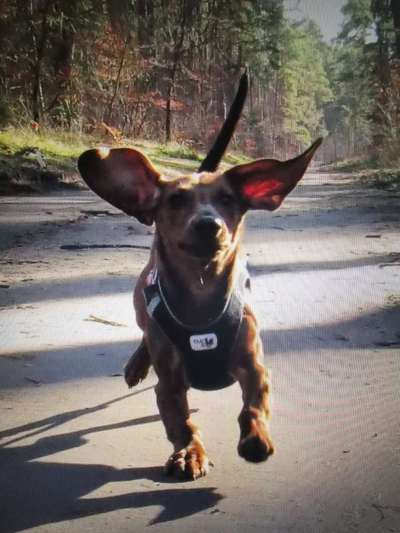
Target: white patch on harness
207	341
153	304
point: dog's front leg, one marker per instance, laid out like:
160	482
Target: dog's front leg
189	460
255	443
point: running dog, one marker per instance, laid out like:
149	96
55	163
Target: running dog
191	299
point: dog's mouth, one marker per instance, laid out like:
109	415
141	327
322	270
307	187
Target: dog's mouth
206	249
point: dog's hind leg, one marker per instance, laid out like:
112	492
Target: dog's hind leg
137	368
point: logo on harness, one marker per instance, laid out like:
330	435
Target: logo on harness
206	341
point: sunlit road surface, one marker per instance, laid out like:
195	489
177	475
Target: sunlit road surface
80	452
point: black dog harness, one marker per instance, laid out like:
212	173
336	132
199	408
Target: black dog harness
205	350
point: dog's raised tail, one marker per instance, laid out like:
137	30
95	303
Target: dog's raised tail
214	156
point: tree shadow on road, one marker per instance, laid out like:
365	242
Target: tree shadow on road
64	363
35	493
51	422
378	329
73	287
381	260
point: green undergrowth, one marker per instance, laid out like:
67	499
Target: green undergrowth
352	165
23	150
370	173
164	164
177	151
385	178
58	148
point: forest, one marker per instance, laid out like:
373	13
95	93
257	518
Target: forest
167	70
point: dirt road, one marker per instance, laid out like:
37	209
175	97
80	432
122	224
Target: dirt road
80	452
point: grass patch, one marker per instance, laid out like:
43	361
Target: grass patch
183	165
64	148
20	163
369	173
178	151
37	161
59	149
385	178
352	165
162	152
235	159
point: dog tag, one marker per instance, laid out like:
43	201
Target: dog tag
207	341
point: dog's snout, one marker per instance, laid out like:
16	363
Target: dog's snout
207	226
205	236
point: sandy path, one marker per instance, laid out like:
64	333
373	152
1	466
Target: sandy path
80	452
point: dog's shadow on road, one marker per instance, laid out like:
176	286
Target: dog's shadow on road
35	493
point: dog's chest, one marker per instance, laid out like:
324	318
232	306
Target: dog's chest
205	350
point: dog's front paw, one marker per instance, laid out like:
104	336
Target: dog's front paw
257	445
189	463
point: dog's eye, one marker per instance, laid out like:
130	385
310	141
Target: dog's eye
177	200
224	198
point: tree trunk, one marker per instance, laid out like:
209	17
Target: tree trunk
107	115
173	70
145	27
39	43
395	7
62	56
168	118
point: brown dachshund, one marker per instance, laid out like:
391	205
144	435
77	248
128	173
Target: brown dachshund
191	300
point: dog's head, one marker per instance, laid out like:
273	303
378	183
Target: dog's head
199	214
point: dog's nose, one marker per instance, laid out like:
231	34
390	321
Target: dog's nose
207	226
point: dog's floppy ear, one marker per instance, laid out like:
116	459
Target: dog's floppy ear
263	184
123	177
